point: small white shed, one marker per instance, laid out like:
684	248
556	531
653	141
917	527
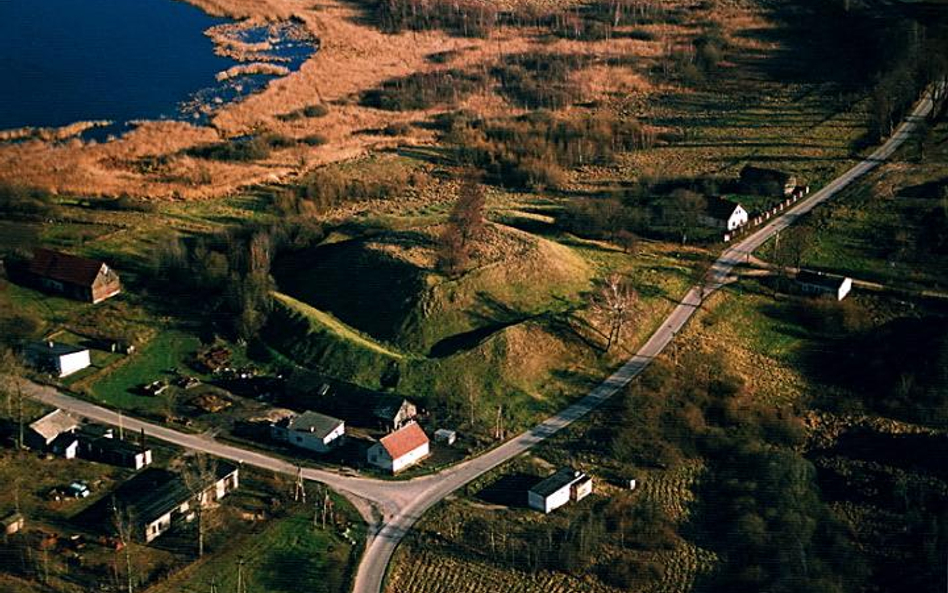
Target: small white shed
557	490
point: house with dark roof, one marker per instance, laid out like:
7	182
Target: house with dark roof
310	430
78	278
157	499
57	358
42	432
401	449
767	182
818	283
557	490
393	411
723	214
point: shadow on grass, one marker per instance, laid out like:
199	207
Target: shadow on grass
510	490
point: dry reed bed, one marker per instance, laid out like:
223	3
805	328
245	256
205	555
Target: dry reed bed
353	58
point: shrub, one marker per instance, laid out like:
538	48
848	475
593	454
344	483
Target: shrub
314	140
423	90
397	129
315	110
235	150
25	203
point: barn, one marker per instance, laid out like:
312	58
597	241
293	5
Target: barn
818	283
72	276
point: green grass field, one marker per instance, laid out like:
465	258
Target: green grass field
167	350
288	556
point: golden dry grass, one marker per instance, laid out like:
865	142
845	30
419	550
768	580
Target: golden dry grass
354	57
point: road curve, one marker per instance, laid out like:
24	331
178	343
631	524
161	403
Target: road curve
372	570
398	505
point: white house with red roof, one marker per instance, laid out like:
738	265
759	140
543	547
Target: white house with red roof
401	449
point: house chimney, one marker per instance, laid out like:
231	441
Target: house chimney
49	343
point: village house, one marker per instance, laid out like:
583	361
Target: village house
401	449
817	283
723	214
393	412
557	490
310	430
767	182
57	358
72	276
41	433
157	499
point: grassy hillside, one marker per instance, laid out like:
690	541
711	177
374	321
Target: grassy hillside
388	286
315	338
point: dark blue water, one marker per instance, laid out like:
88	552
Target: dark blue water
63	61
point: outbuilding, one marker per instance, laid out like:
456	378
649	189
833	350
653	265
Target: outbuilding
401	449
310	430
393	412
445	436
557	490
57	358
44	431
818	283
12	523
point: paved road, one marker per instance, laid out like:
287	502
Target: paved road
392	508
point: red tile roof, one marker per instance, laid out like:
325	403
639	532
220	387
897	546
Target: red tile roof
69	269
404	440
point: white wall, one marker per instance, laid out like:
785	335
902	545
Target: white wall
738	219
583	489
68	364
844	288
556	500
410	458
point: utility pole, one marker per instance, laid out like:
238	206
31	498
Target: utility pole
299	495
240	576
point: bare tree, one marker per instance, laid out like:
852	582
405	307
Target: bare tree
701	275
683	210
14	371
199	476
615	300
125	531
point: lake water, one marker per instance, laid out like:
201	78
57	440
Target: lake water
63	61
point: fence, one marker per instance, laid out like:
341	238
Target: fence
758	220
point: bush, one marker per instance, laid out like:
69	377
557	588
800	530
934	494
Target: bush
235	150
535	150
397	129
630	573
315	110
540	80
424	90
25	203
314	140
